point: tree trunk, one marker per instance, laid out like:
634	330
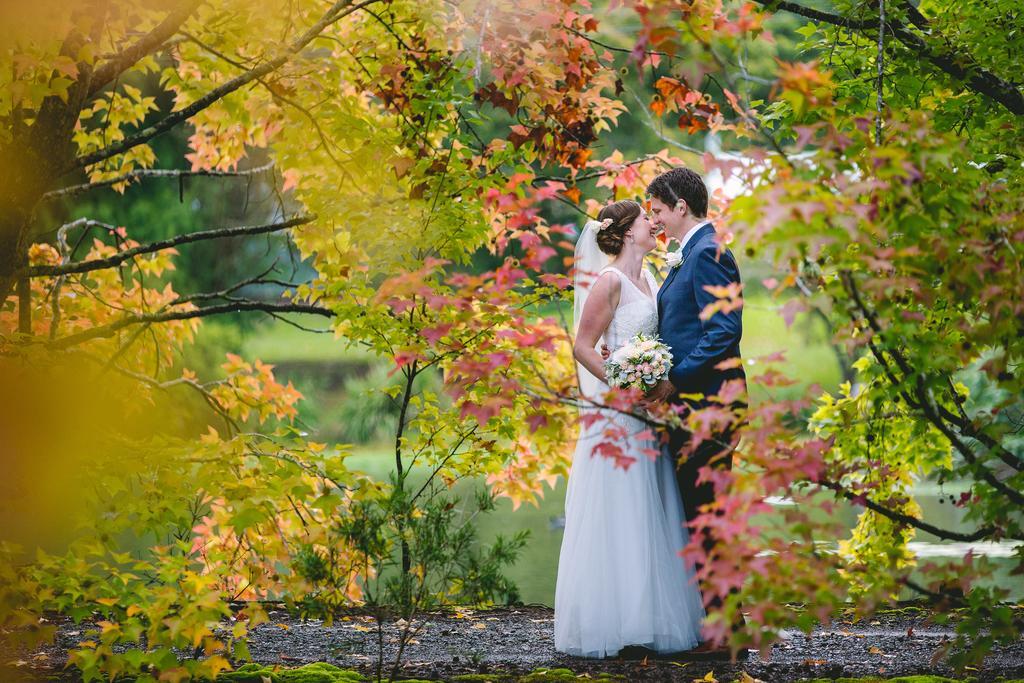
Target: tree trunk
23	186
30	161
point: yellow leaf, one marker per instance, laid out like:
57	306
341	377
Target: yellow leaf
175	675
215	664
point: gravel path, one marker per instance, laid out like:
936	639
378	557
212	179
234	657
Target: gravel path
521	639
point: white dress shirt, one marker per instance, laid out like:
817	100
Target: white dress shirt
690	233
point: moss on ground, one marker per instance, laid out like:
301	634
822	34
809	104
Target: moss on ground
318	672
321	672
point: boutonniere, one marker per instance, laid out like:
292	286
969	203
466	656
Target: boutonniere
674	259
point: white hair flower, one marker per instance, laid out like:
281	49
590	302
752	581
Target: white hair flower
604	224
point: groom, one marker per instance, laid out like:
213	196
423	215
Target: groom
679	205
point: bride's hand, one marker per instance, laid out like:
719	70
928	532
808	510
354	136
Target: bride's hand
605	352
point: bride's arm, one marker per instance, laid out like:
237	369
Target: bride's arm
597	314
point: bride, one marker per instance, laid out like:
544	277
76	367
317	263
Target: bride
621	581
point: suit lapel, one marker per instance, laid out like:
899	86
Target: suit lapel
706	230
665	285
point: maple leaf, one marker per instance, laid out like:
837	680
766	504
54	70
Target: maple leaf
658	105
791	308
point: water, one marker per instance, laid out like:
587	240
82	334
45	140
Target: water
536	569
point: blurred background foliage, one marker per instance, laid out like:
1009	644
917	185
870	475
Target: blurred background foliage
337	381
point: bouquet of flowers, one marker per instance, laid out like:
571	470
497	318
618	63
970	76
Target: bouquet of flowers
639	364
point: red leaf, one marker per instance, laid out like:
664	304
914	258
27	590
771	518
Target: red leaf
435	333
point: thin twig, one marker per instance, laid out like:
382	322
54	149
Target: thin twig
151	173
122	256
167	316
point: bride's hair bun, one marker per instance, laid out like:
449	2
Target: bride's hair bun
622	214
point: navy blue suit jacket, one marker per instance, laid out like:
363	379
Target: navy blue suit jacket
698	345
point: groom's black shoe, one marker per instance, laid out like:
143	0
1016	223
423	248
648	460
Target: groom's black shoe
635	652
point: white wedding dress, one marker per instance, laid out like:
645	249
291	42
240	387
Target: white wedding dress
621	580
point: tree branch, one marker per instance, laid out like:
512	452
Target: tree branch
879	100
613	48
965	427
340	9
952	598
260	279
977	535
921	398
150	173
816	15
167	316
980	80
277	96
977	78
166	385
594	174
121	256
111	69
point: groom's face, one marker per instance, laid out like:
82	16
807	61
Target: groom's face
665	216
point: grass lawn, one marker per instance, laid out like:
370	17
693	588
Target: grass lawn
808	356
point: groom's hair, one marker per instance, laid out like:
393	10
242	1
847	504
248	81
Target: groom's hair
681	183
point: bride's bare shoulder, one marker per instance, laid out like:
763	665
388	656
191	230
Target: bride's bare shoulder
607	287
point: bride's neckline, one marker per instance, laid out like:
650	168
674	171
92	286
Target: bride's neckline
635	285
